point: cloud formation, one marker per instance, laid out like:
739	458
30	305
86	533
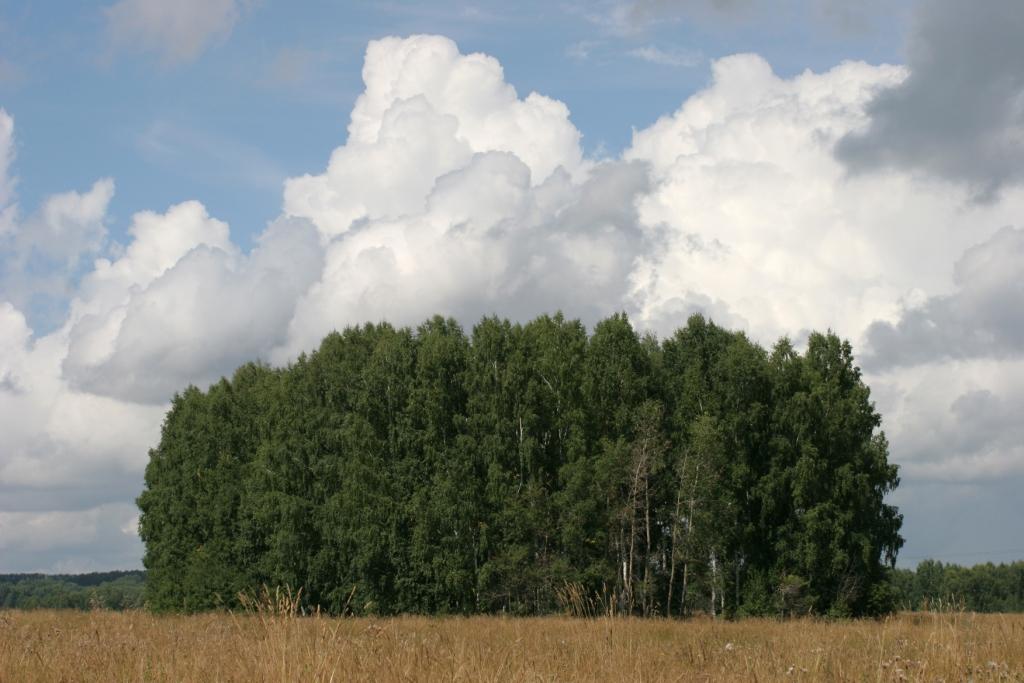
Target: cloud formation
982	318
956	421
71	542
757	228
41	256
177	31
959	115
214	307
425	111
453	194
486	241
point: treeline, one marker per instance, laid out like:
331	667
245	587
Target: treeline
107	590
431	471
982	588
932	585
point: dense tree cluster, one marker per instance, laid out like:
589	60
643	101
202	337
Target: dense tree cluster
431	471
982	588
107	590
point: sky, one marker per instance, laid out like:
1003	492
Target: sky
188	186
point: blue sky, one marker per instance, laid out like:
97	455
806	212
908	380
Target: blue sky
186	186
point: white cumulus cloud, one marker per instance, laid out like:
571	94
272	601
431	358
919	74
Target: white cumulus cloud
184	306
42	253
426	109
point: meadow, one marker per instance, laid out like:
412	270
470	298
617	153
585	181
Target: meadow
270	645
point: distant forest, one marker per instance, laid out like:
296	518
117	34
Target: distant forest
106	590
982	588
502	471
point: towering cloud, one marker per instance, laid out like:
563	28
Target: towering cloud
425	111
454	195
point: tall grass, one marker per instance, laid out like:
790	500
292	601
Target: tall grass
576	601
271	640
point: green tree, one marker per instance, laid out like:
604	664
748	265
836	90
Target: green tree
399	470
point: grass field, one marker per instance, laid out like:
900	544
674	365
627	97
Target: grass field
268	646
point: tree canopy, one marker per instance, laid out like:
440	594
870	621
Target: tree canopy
435	471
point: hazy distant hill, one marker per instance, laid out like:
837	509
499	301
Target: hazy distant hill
110	590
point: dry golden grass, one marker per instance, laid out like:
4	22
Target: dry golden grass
266	645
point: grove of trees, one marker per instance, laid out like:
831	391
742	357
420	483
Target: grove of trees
435	471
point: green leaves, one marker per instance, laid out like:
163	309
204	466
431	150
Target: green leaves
397	470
